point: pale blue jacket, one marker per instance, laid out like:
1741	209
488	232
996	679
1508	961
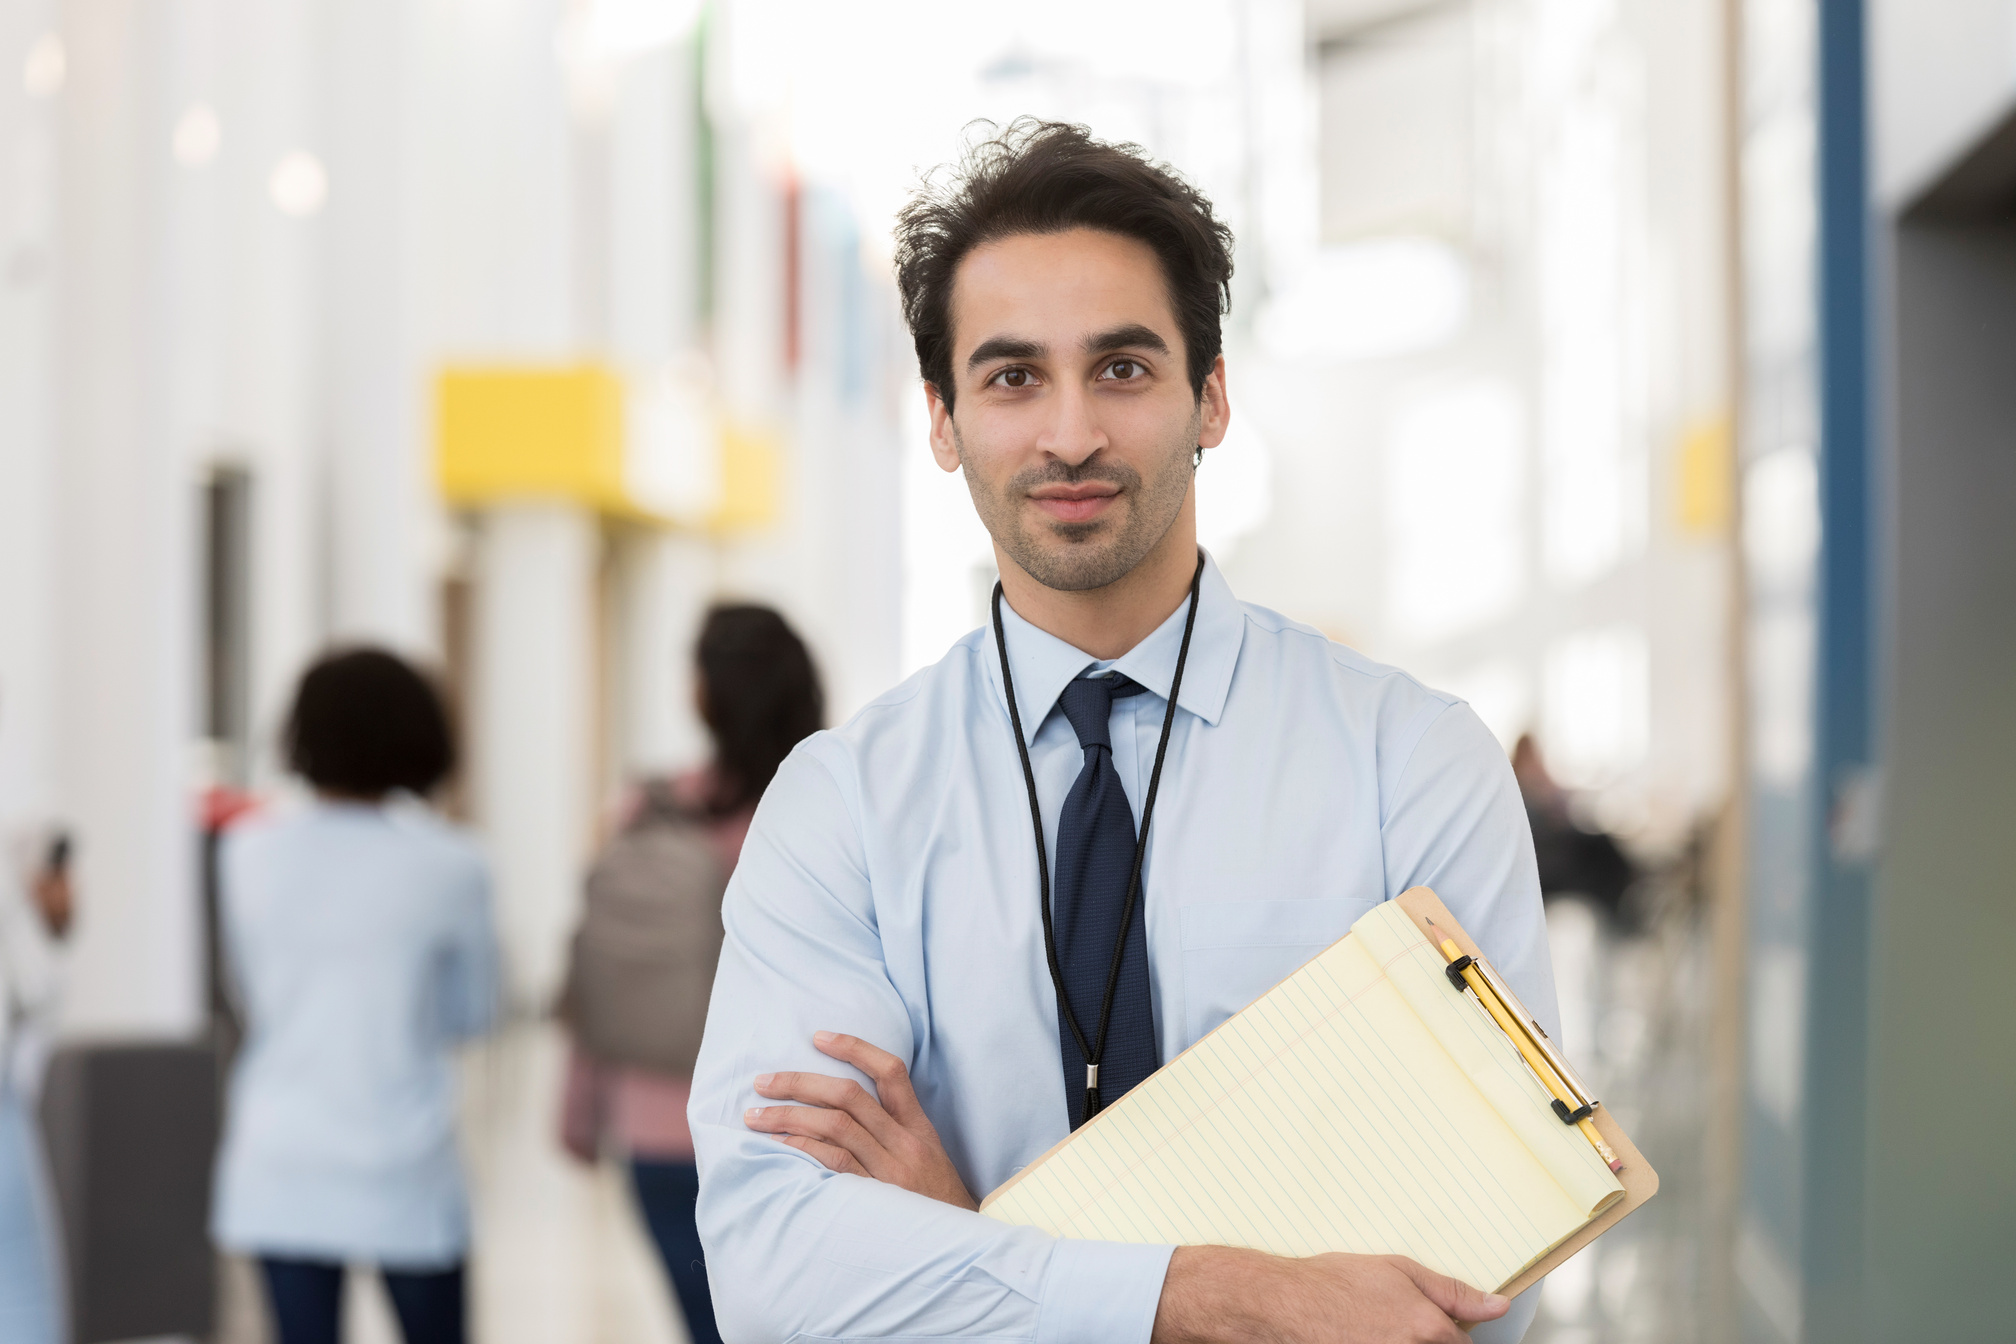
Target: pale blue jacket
361	945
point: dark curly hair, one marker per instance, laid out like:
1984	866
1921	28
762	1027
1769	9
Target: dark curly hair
366	722
1046	177
761	697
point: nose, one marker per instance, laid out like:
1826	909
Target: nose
1072	433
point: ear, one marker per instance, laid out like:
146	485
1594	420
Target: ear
1214	410
944	447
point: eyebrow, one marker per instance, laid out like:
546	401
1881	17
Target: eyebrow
1005	347
1132	336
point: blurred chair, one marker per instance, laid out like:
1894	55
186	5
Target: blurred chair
131	1131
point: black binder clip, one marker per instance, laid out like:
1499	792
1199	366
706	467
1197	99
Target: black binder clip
1574	1117
1454	970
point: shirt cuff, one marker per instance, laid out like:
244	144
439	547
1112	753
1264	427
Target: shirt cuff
1101	1292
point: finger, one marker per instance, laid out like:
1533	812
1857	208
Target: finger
1453	1297
840	1094
833	1159
889	1073
835	1128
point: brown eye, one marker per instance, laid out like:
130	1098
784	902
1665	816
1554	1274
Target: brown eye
1123	369
1015	378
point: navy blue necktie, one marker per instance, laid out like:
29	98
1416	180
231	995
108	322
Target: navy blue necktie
1095	859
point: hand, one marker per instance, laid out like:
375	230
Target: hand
1218	1295
848	1129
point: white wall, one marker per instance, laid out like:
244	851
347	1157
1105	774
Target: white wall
29	234
122	583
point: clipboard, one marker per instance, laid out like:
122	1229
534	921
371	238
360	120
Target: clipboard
1638	1179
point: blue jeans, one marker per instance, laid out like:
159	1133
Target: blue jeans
307	1298
28	1300
667	1192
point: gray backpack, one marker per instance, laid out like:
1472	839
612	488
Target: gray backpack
642	962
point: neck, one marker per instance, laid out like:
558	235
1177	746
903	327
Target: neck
1107	622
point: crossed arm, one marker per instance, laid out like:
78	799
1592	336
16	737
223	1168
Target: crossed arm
1212	1295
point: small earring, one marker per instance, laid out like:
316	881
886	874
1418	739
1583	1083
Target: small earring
1197	457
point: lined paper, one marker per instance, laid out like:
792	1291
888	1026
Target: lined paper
1330	1115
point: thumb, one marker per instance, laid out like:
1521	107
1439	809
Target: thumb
1455	1298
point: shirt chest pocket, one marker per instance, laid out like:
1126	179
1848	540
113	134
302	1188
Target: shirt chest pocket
1235	951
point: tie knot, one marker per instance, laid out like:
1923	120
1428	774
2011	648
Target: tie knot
1088	703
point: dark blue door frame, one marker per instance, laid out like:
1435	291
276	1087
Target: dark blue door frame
1833	1178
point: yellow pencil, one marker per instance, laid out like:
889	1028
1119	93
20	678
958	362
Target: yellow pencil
1537	1062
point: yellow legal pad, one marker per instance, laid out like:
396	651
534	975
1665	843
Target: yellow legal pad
1363	1104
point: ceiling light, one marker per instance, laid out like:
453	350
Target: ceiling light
299	184
42	72
197	134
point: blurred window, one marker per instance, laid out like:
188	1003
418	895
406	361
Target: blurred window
1596	715
1592	384
1455	496
1393	85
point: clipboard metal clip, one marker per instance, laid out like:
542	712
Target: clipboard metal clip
1536	1035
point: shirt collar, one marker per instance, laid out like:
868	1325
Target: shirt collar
1044	664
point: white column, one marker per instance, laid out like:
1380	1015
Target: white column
662	580
665	580
530	740
28	237
123	574
269	386
381	583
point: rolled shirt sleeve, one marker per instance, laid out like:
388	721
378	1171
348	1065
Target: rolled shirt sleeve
795	1251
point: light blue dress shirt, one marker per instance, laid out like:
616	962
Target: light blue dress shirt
361	944
888	889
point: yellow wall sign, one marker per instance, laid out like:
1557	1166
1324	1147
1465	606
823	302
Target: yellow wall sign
574	433
1707	462
530	433
749	470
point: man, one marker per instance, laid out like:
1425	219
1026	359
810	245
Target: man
896	1027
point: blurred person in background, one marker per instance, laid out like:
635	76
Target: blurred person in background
359	939
643	958
1573	860
36	905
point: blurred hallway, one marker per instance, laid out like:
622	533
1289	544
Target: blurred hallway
1625	368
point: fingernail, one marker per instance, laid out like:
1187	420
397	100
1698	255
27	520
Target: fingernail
751	1113
822	1038
765	1079
1494	1300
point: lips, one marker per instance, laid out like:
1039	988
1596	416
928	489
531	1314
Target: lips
1075	505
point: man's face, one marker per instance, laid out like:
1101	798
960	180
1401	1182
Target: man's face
1075	421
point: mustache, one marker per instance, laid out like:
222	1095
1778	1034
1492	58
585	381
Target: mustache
1094	468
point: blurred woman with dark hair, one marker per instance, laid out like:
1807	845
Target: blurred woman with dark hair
643	957
359	938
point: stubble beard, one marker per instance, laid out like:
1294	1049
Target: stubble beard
1078	557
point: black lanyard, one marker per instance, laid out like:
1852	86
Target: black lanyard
1092	1052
